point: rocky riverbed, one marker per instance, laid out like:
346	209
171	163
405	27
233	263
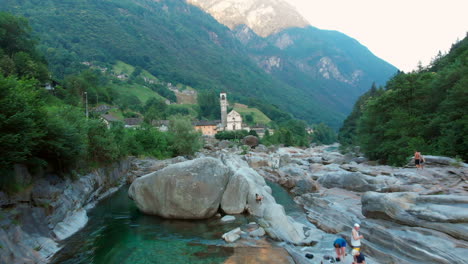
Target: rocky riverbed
406	215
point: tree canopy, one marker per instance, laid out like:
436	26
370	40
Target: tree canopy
424	110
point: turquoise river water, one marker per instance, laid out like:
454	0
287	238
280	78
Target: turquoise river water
118	233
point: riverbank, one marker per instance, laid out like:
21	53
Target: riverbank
34	221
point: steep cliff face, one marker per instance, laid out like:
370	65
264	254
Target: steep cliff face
264	17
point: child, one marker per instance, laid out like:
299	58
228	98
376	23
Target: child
358	257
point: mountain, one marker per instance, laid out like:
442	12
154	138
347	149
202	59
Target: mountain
264	17
327	66
182	44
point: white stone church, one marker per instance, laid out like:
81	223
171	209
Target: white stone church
231	121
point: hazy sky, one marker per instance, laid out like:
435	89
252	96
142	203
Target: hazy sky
402	32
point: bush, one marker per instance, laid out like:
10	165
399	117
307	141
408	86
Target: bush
186	141
231	135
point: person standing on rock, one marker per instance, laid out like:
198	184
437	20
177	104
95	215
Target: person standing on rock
356	238
340	248
417	159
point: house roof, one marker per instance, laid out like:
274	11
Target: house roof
110	118
233	112
160	122
206	123
133	121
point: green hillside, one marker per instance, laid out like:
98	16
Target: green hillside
173	41
257	117
176	43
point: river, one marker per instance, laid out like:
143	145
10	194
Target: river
118	233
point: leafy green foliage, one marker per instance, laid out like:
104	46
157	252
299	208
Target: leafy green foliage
155	109
64	145
49	129
209	105
17	54
236	135
323	134
22	120
424	110
185	140
347	133
289	133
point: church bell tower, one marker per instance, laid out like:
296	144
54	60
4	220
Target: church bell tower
223	103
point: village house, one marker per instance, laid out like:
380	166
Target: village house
161	125
133	122
259	129
109	119
101	109
207	128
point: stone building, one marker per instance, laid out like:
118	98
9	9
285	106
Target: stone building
234	121
207	128
231	121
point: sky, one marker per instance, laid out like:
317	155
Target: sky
401	32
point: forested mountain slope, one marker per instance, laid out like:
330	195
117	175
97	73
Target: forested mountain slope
425	110
177	43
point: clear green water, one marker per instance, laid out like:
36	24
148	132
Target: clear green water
118	233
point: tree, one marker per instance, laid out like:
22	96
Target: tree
323	134
209	105
424	110
102	147
186	141
22	120
15	35
65	144
155	109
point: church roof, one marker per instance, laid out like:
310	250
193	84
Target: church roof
233	112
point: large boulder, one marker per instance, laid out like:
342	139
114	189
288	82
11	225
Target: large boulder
283	226
187	190
354	181
444	213
305	185
234	199
251	141
279	224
